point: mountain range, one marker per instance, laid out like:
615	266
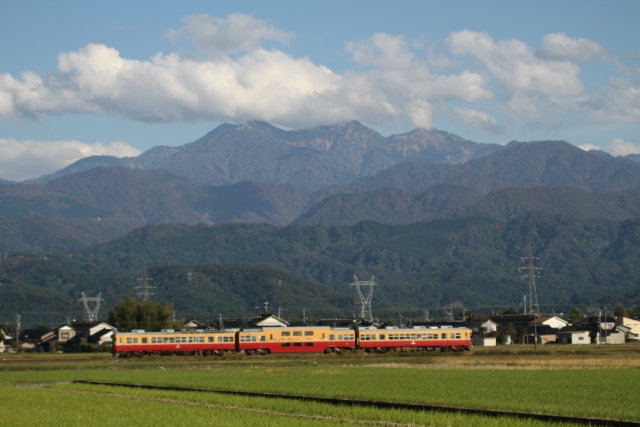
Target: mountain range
333	175
423	210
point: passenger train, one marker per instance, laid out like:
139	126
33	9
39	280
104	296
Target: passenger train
296	339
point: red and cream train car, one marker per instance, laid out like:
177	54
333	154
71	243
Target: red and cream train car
302	339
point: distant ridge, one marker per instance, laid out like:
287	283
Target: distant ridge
308	159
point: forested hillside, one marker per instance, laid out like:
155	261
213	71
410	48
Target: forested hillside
469	262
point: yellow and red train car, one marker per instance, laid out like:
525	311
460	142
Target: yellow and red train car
168	341
299	339
418	338
296	339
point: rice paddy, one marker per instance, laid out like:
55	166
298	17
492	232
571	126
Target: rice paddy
590	382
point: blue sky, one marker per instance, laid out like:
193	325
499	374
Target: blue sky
84	78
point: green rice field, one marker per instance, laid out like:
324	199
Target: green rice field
599	382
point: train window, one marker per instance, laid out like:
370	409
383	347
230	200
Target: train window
413	336
153	340
308	344
297	344
210	339
172	340
286	334
308	333
381	336
286	344
253	338
262	338
452	335
144	340
135	340
457	336
332	337
190	339
128	340
219	339
201	339
297	333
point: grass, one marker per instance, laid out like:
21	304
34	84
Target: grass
592	382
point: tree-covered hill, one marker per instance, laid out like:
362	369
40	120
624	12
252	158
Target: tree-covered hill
470	262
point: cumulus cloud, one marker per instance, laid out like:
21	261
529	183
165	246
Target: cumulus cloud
217	36
21	160
393	81
528	80
560	46
620	147
261	84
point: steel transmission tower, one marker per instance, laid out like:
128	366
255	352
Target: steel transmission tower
364	295
91	313
530	273
144	289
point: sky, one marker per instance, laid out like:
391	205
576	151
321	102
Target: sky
116	78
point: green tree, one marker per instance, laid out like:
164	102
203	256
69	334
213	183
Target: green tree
131	313
510	310
575	315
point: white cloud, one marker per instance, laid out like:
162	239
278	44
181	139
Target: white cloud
217	36
528	80
394	81
479	120
618	102
381	51
620	147
21	160
560	46
259	84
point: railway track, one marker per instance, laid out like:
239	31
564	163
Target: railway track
386	404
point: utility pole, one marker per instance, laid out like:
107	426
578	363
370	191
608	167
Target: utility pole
18	327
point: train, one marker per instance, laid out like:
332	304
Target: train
291	339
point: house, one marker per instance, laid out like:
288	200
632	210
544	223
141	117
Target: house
633	325
194	324
599	327
90	334
52	339
478	325
574	337
270	320
554	322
